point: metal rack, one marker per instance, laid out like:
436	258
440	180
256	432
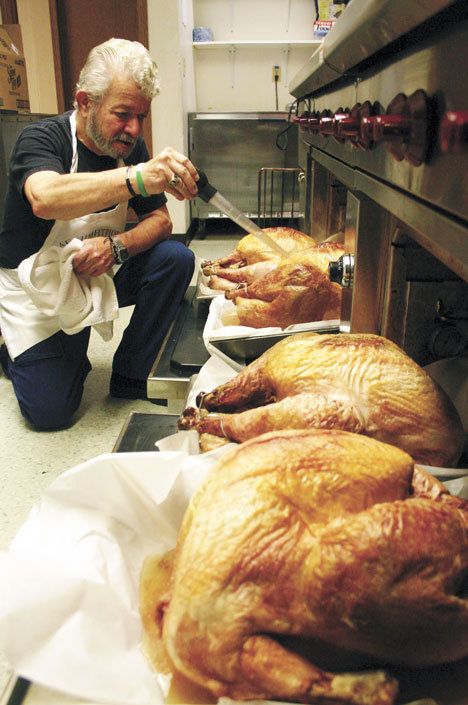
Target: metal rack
278	195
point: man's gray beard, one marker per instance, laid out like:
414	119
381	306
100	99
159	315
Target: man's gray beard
105	146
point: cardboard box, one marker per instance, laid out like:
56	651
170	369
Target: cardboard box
13	79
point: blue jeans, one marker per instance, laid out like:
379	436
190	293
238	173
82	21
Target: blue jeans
48	378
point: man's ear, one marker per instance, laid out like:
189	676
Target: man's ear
83	101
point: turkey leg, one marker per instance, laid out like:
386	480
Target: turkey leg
233	259
273	669
221	284
247	274
299	411
249	389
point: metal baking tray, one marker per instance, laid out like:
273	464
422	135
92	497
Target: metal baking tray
245	349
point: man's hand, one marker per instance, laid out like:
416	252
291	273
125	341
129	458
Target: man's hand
158	172
94	258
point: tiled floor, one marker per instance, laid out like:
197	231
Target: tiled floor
30	460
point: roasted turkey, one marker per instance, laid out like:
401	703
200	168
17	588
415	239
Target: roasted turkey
296	290
306	554
250	249
361	383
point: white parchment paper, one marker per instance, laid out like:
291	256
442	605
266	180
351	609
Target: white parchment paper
69	616
69	613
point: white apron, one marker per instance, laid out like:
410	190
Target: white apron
21	323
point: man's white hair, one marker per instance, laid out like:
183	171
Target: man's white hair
118	58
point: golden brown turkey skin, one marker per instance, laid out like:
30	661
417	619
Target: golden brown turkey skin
298	290
356	382
250	249
232	277
315	534
282	292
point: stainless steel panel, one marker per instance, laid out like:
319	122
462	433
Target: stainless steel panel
424	337
328	203
304	187
345	173
361	31
238	116
424	302
181	355
344	99
366	237
443	179
319	202
243	349
444	237
231	148
315	74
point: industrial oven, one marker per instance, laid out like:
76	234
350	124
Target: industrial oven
382	108
382	111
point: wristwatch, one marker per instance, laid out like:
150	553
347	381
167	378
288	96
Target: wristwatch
120	251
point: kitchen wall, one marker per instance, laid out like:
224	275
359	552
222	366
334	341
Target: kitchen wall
238	76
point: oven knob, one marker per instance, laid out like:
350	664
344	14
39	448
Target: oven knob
338	117
313	124
366	132
326	123
406	127
347	127
365	114
453	131
342	271
391	128
301	120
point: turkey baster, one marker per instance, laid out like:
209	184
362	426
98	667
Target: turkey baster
209	194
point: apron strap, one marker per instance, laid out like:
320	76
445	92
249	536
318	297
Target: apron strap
74	162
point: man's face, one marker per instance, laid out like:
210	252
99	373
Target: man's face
114	124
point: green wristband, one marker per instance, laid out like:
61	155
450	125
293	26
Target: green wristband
140	183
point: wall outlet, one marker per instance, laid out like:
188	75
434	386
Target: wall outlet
276	73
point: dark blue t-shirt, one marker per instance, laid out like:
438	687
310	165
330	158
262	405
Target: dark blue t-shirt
47	146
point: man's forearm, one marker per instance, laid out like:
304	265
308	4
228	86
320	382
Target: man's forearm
150	230
65	196
96	255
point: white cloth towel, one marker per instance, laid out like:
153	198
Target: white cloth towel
77	300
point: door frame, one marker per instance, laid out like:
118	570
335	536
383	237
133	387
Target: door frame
9	11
